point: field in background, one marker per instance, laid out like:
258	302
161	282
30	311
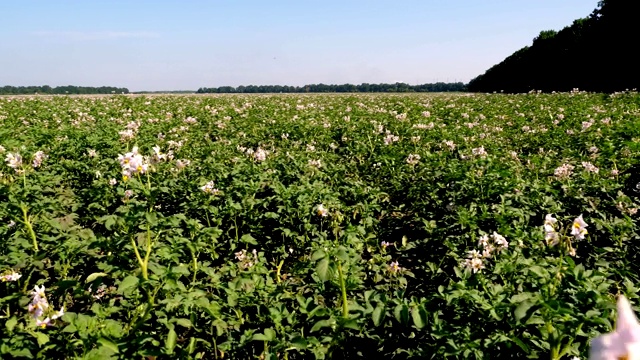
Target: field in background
311	226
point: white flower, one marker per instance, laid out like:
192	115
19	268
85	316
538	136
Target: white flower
39	303
484	240
132	163
126	135
14	276
92	153
500	241
394	267
182	163
563	171
57	314
241	255
474	261
157	155
43	323
590	167
260	155
413	159
322	211
38	157
390	139
479	151
624	342
112	182
578	229
38	291
551	237
424	126
550	220
14	160
209	188
315	163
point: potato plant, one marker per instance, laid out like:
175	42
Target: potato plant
316	226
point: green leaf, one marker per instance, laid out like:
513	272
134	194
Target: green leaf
458	272
323	269
299	343
538	270
247	238
419	316
128	283
21	353
342	254
378	315
192	345
351	324
401	312
183	322
317	255
111	220
322	324
522	309
94	276
41	337
268	335
260	337
170	343
521	344
11	323
113	347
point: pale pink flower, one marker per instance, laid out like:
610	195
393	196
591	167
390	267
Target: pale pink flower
624	342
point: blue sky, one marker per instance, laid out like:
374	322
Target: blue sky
171	45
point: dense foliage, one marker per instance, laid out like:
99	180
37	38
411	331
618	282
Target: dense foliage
69	89
592	54
344	88
316	226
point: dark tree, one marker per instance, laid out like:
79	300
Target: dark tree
596	53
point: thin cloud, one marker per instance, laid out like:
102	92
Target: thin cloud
96	35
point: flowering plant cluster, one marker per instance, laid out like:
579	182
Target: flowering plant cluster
320	226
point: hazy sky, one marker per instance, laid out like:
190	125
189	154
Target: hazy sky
171	45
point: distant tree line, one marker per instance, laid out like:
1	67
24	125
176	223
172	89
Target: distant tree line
344	88
46	89
596	53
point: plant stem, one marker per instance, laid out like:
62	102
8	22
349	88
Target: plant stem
27	223
278	271
343	289
143	266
